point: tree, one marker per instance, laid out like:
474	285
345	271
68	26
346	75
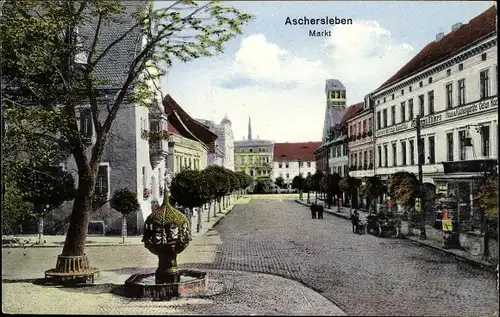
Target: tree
404	188
234	182
298	182
349	186
219	179
371	188
308	186
49	64
263	186
316	179
245	179
46	187
280	181
191	189
488	199
330	185
125	202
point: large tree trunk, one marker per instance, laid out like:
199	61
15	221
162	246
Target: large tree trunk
215	208
208	212
74	245
218	202
198	220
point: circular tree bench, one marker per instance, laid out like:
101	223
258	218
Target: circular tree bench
71	268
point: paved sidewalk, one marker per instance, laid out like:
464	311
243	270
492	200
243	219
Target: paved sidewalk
52	241
434	237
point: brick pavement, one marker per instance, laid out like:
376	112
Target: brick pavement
363	274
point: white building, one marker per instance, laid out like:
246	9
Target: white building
292	159
452	84
223	154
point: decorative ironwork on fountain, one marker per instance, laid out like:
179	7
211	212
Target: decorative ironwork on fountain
166	234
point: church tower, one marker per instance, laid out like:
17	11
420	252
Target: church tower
336	105
249	129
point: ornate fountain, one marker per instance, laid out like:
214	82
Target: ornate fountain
166	234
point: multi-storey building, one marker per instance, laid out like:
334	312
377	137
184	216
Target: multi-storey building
294	159
189	140
223	154
254	157
451	84
361	142
335	93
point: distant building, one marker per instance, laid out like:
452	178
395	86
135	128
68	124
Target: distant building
335	93
189	140
293	159
254	157
223	153
361	142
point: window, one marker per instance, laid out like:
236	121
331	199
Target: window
250	160
308	173
461	92
301	164
403	152
355	159
287	176
432	152
308	164
286	165
251	172
449	96
421	104
370	157
251	150
421	84
344	150
393	115
190	163
483	57
484	84
462	149
403	111
448	72
412	152
386	156
449	146
365	126
485	141
370	124
86	123
461	66
384	118
402	92
339	150
430	98
409	89
392	96
102	182
384	99
421	150
430	80
379	120
394	155
410	109
365	159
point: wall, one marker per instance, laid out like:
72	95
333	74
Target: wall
280	169
188	152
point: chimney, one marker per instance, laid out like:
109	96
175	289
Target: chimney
439	36
456	26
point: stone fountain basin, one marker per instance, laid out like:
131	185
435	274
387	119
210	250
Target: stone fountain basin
144	286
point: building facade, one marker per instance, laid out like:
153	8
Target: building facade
451	84
361	142
254	157
293	159
223	154
336	106
189	140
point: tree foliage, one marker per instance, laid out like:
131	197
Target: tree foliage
125	201
263	186
54	53
404	187
330	183
349	185
190	188
371	187
488	197
245	180
316	179
234	180
219	179
279	181
298	182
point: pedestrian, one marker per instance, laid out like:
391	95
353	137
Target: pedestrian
320	211
354	221
313	211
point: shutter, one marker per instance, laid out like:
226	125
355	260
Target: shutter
86	128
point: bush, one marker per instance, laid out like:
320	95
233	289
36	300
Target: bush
124	201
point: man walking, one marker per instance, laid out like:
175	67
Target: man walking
355	221
320	211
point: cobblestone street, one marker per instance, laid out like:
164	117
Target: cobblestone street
362	274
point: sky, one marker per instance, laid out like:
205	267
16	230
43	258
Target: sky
275	73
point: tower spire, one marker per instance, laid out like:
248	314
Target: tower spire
249	128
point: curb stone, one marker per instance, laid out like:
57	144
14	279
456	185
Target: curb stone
482	265
109	244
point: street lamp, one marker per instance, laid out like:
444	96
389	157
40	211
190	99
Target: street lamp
300	182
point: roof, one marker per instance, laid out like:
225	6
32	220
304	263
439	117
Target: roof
303	151
172	129
352	111
449	45
225	120
334	84
113	68
257	142
175	112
